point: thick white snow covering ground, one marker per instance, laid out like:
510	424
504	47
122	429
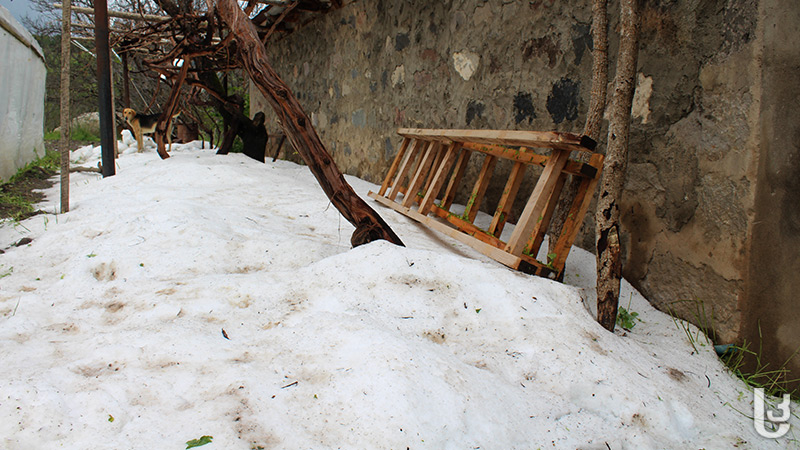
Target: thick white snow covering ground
215	295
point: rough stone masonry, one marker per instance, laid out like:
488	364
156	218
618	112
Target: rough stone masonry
710	212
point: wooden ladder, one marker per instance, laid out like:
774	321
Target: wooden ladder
428	158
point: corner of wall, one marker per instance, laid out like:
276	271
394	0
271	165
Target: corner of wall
770	309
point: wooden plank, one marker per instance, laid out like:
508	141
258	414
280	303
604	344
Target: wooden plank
404	168
507	199
438	179
576	214
537	236
455	180
421	172
438	160
468	228
431	222
119	14
542	139
395	164
396	184
523	262
528	156
484	177
537	202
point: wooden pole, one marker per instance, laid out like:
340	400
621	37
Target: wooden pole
118	14
609	255
113	109
104	86
126	91
66	17
296	125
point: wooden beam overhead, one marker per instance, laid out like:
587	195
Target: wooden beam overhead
91	26
120	14
312	6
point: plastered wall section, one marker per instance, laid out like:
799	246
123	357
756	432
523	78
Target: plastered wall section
22	75
772	305
373	66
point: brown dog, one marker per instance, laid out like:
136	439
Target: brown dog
145	123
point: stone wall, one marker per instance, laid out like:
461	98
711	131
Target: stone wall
697	147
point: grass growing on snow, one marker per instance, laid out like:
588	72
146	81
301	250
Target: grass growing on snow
743	361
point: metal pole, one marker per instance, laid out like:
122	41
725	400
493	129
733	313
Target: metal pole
66	17
104	86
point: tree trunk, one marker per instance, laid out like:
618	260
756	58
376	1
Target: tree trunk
163	127
234	122
254	137
252	132
296	125
230	129
609	264
597	103
594	117
66	17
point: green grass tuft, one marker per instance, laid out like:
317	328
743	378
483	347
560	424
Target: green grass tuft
52	135
20	205
626	319
747	364
743	361
16	202
50	162
76	134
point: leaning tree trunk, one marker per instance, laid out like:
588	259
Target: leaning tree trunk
594	117
296	125
609	263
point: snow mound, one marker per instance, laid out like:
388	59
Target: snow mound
215	295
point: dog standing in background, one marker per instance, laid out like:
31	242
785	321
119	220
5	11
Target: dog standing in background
145	123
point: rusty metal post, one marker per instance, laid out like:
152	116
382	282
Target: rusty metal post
104	86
